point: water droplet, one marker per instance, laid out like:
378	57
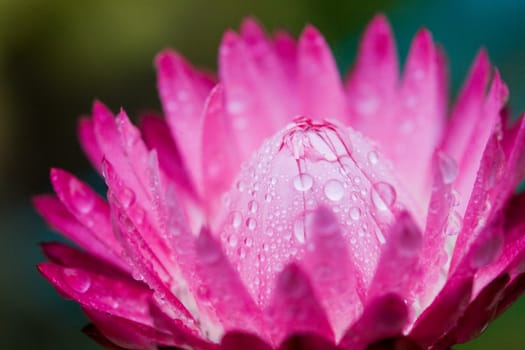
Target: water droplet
253	206
303	182
448	168
232	240
235	219
410	239
251	224
240	186
248	242
268	197
269	232
78	281
372	157
454	223
298	230
379	235
355	213
383	196
334	190
83	201
127	197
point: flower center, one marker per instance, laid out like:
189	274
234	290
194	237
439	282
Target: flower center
267	213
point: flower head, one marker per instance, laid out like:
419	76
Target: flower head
280	208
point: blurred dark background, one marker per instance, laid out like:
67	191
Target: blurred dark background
57	56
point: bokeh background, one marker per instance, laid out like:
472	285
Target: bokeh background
57	56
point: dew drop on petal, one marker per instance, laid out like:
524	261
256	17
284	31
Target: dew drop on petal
383	196
303	182
372	157
355	213
79	282
253	206
127	197
82	201
334	190
251	224
298	230
235	219
232	240
454	223
448	168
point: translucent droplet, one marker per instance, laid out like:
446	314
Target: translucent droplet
78	281
248	242
127	197
240	186
268	197
298	230
303	182
269	232
355	213
83	201
253	206
454	223
334	190
251	224
448	168
232	240
235	219
383	196
372	157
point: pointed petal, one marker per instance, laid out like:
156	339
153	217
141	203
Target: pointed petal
183	91
487	125
466	111
398	269
480	312
88	141
294	308
87	207
127	333
286	50
157	136
222	288
420	116
372	84
320	87
67	256
59	218
383	317
443	314
332	271
221	160
105	294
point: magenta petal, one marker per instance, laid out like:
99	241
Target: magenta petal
91	331
87	207
320	87
399	268
157	136
512	292
383	317
223	290
466	111
394	343
59	218
219	150
242	341
127	333
444	312
67	256
294	308
371	86
332	271
106	294
480	311
183	92
88	141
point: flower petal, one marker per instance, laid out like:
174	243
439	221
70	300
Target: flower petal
239	341
383	317
294	308
333	274
183	91
320	87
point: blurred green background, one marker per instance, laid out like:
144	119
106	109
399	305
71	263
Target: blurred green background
57	56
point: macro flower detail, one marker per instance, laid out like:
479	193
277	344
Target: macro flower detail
278	207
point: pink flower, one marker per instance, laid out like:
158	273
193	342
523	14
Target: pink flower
280	208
